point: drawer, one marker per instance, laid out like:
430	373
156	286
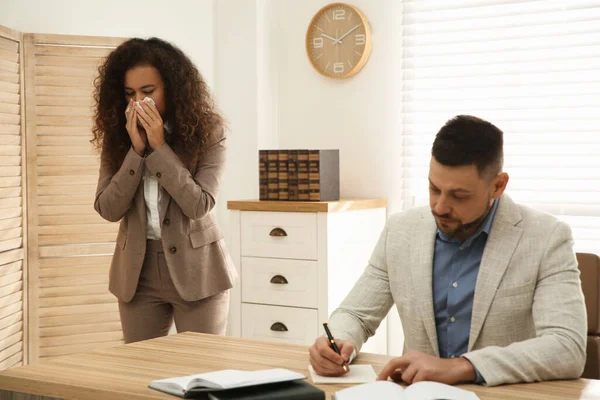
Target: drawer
279	282
284	324
279	235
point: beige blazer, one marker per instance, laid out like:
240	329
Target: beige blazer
529	320
198	261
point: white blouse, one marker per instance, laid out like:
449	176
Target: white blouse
152	198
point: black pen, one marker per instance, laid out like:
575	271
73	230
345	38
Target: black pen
333	345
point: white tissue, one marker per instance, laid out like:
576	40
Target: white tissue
147	100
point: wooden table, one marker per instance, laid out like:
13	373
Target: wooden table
124	372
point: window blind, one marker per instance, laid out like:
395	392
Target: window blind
532	68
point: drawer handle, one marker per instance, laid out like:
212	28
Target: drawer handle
277	232
279	280
279	327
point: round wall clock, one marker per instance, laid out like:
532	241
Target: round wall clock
338	40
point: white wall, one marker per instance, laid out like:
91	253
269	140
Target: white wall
236	92
186	23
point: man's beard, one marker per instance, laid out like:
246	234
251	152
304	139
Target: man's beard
462	228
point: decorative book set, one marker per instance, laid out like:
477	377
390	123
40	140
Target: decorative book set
299	175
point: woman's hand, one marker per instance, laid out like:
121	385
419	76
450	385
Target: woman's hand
137	140
152	123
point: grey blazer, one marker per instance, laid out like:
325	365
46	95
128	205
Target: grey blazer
198	261
529	320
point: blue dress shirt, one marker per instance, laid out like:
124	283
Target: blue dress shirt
455	269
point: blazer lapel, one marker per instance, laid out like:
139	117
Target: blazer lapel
499	249
165	197
422	271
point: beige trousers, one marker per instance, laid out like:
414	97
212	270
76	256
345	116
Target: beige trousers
156	304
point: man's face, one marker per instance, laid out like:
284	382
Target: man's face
460	199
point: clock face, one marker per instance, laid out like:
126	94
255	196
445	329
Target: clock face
338	40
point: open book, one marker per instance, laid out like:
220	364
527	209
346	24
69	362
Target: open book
383	390
223	380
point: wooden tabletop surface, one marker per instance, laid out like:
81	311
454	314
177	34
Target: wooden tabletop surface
124	372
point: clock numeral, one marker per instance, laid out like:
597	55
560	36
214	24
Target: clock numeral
317	43
360	39
339	14
338	68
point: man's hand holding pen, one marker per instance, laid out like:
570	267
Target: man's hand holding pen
326	361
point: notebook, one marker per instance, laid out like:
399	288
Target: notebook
383	390
359	373
189	386
294	390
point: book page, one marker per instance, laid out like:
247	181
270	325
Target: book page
435	390
380	390
227	379
231	378
359	373
178	383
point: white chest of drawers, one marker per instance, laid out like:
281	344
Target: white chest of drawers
297	261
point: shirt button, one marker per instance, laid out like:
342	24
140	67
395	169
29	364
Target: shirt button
455	284
173	250
158	175
452	319
167	222
131	172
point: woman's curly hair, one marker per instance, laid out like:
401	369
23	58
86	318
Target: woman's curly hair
190	108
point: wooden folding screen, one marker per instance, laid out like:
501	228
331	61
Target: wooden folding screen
13	265
70	246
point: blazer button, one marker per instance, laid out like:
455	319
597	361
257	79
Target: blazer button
173	250
158	175
131	172
167	222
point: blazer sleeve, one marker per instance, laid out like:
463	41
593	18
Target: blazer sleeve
368	303
114	194
195	195
559	350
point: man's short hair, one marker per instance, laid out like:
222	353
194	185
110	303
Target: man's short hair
467	140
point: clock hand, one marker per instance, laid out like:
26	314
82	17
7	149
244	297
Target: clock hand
339	40
329	37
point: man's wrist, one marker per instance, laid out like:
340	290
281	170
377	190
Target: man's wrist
465	370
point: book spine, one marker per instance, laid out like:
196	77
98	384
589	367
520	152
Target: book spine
302	165
283	157
293	175
313	175
272	175
263	182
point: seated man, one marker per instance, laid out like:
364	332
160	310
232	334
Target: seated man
488	291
